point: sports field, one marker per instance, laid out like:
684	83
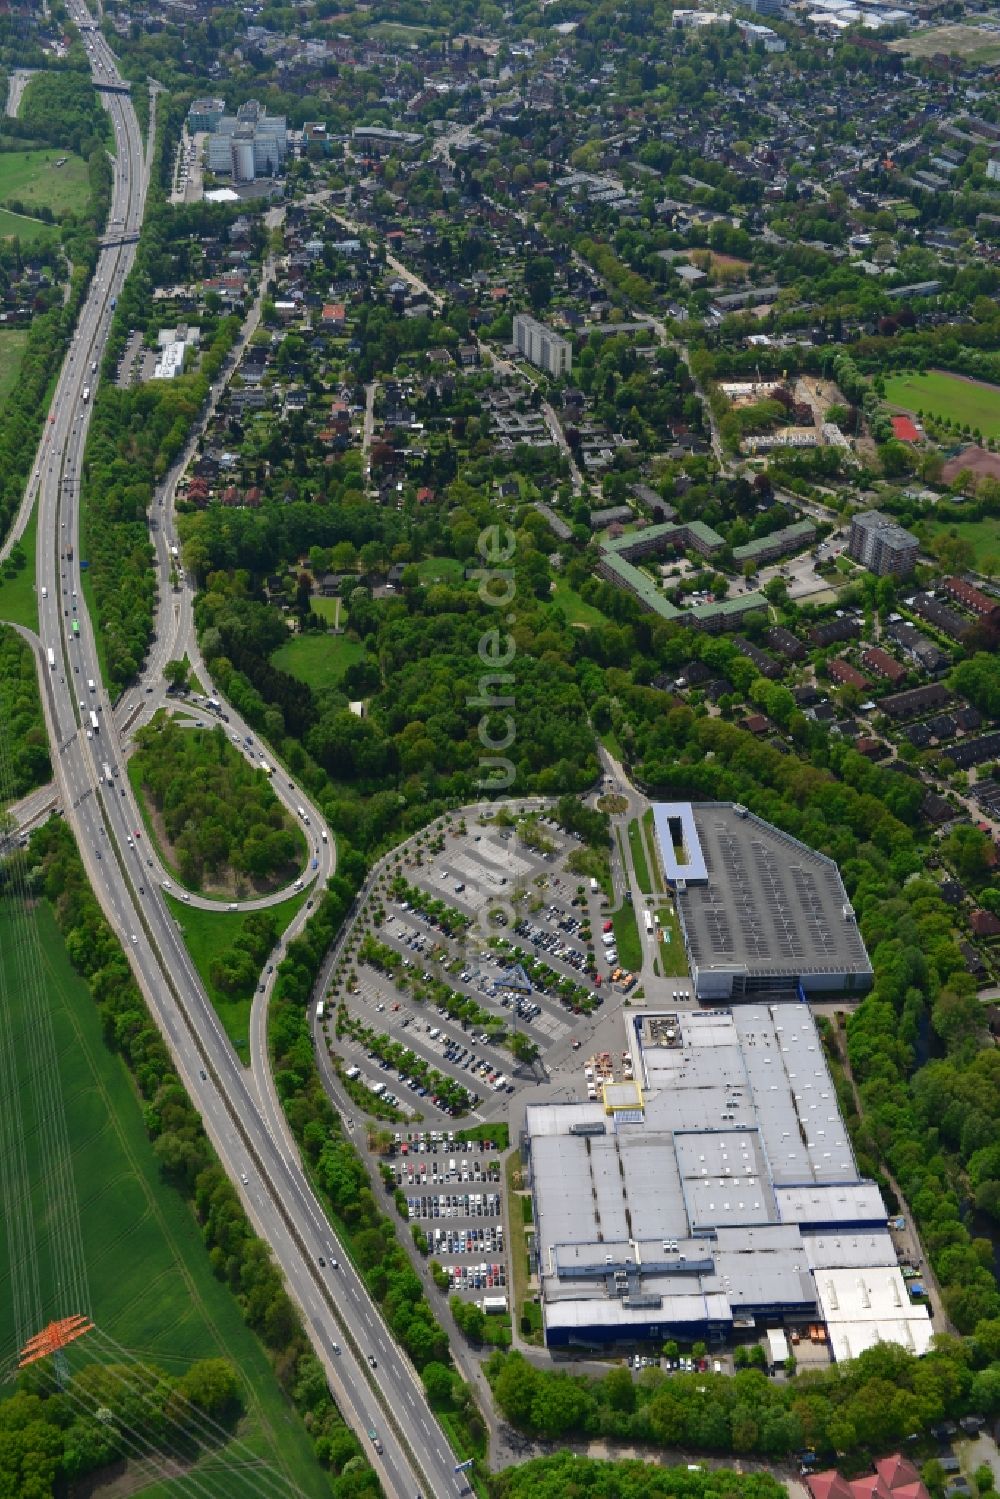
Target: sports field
34	179
151	1283
939	394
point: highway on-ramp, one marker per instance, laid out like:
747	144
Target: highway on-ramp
375	1385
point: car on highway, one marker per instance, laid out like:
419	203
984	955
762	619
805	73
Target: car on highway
373	1360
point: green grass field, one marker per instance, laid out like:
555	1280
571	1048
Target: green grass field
318	660
207	933
440	570
940	394
32	178
639	857
672	957
649	829
18	597
29	231
12	345
151	1283
627	937
328	609
576	609
982	535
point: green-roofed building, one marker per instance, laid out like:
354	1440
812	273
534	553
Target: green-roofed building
617	565
779	544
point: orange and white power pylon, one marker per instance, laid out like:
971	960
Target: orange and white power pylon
53	1341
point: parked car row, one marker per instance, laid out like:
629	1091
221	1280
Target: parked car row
476	1277
455	1205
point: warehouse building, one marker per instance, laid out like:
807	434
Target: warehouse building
714	1195
759	911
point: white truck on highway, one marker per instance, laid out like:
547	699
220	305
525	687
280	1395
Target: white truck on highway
109	774
86	392
50	653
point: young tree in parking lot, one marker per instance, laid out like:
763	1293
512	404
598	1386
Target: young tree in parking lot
524	1051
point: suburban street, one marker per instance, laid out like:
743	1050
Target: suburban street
373	1383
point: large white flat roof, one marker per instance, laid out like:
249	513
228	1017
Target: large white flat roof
692	867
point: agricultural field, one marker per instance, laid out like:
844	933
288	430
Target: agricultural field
33	179
151	1283
942	395
318	660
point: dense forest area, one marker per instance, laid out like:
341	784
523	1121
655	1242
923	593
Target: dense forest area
24	749
219	813
49	1435
187	1160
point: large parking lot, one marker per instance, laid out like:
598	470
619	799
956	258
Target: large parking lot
483	946
453	1193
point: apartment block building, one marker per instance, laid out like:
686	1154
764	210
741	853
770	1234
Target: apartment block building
879	544
540	346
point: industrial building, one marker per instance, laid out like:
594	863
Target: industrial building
715	1194
878	543
247	145
759	911
540	346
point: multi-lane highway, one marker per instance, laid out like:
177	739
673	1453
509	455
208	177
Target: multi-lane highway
375	1386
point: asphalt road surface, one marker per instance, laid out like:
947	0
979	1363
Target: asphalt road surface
343	1324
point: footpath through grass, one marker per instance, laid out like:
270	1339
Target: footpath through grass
151	1283
208	935
30	231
